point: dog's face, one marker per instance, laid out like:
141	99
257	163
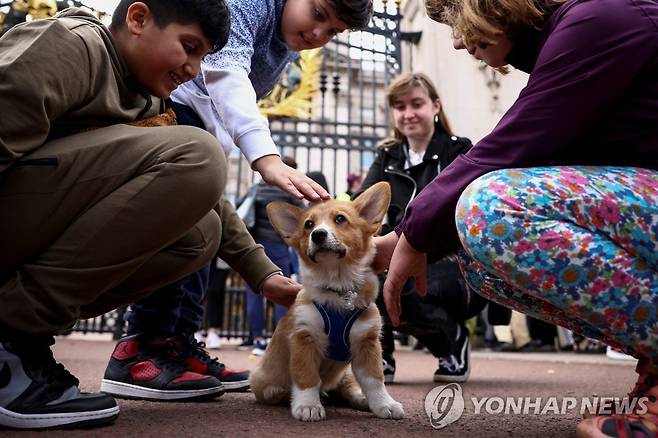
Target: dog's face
332	231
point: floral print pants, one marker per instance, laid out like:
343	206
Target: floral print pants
575	246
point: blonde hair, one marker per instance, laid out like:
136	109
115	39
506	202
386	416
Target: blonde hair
403	84
477	22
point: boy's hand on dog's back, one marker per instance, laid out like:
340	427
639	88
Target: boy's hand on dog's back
276	173
280	290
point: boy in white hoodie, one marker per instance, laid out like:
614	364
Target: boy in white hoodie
265	37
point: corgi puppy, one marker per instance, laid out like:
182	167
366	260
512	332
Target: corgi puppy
334	321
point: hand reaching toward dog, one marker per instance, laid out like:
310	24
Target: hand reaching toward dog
405	262
280	290
276	173
385	246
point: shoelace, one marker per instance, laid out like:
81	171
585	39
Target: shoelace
171	360
451	364
197	349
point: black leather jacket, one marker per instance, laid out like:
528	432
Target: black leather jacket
445	285
389	166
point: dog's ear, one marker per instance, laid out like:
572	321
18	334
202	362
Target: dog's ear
373	203
284	218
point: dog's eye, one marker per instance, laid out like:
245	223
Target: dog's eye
339	219
309	224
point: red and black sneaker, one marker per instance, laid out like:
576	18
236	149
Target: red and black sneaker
153	370
198	359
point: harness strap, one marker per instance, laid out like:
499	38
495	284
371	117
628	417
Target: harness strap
337	327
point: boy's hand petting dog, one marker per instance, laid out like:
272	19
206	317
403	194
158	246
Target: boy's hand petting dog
280	290
406	262
276	173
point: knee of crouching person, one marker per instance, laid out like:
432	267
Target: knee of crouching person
474	207
203	156
211	157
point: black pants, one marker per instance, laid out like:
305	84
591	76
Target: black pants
215	297
432	319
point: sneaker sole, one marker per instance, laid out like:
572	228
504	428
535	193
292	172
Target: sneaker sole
453	379
238	386
389	378
14	420
126	390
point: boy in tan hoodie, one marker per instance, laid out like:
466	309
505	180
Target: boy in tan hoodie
95	212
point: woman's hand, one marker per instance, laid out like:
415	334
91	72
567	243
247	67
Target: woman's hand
406	262
276	173
280	290
385	246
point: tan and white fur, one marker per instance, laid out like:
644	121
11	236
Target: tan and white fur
333	241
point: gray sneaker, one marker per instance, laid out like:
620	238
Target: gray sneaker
37	393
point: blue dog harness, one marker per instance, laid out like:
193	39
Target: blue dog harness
337	327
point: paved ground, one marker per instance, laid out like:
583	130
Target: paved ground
238	415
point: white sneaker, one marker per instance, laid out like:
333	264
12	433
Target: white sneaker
213	341
260	346
611	353
199	336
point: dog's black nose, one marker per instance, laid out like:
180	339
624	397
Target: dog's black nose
319	236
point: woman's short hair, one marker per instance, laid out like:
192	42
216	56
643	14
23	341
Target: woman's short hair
404	84
478	21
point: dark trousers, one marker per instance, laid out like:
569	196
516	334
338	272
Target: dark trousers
432	319
279	253
431	326
175	308
215	297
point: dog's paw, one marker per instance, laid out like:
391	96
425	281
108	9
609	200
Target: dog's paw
391	409
309	412
359	401
275	394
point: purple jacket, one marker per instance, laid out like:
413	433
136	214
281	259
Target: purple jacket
591	99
